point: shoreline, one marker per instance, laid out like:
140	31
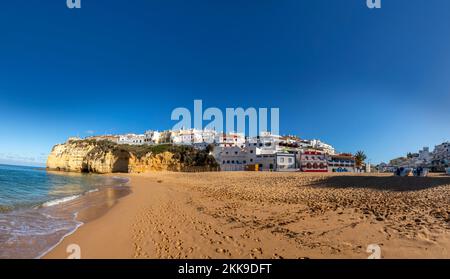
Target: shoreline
41	207
86	216
96	198
42	255
268	215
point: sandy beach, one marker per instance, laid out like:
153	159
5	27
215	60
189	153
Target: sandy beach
269	215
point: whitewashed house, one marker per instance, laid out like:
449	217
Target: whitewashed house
266	143
441	157
131	139
152	137
231	158
266	162
342	163
442	151
326	148
186	137
313	161
286	161
421	159
209	136
230	139
194	137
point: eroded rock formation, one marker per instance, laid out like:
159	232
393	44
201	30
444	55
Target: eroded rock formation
107	157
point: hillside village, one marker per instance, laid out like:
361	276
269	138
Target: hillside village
236	152
437	160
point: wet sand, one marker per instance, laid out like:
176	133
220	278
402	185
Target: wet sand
269	215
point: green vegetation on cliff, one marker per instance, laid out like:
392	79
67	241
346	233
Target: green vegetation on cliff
186	155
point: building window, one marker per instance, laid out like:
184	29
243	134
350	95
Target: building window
281	160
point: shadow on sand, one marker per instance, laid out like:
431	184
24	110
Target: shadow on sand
389	183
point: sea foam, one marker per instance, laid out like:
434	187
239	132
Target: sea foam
61	200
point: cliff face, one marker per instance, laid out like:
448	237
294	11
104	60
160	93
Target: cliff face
159	162
107	161
70	156
106	157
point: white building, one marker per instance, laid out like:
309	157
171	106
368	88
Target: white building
266	162
313	161
425	155
234	153
236	158
342	163
230	139
209	136
424	158
286	161
266	143
152	137
186	137
195	137
421	159
290	144
131	139
441	157
231	158
442	151
326	148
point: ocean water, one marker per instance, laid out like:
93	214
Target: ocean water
38	208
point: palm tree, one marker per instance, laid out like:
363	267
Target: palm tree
360	157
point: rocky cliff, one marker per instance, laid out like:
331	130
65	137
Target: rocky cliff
107	157
150	162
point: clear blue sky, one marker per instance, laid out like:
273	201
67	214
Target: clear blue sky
375	80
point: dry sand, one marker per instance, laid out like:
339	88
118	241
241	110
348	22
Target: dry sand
270	215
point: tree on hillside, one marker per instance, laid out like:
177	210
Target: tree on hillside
360	157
